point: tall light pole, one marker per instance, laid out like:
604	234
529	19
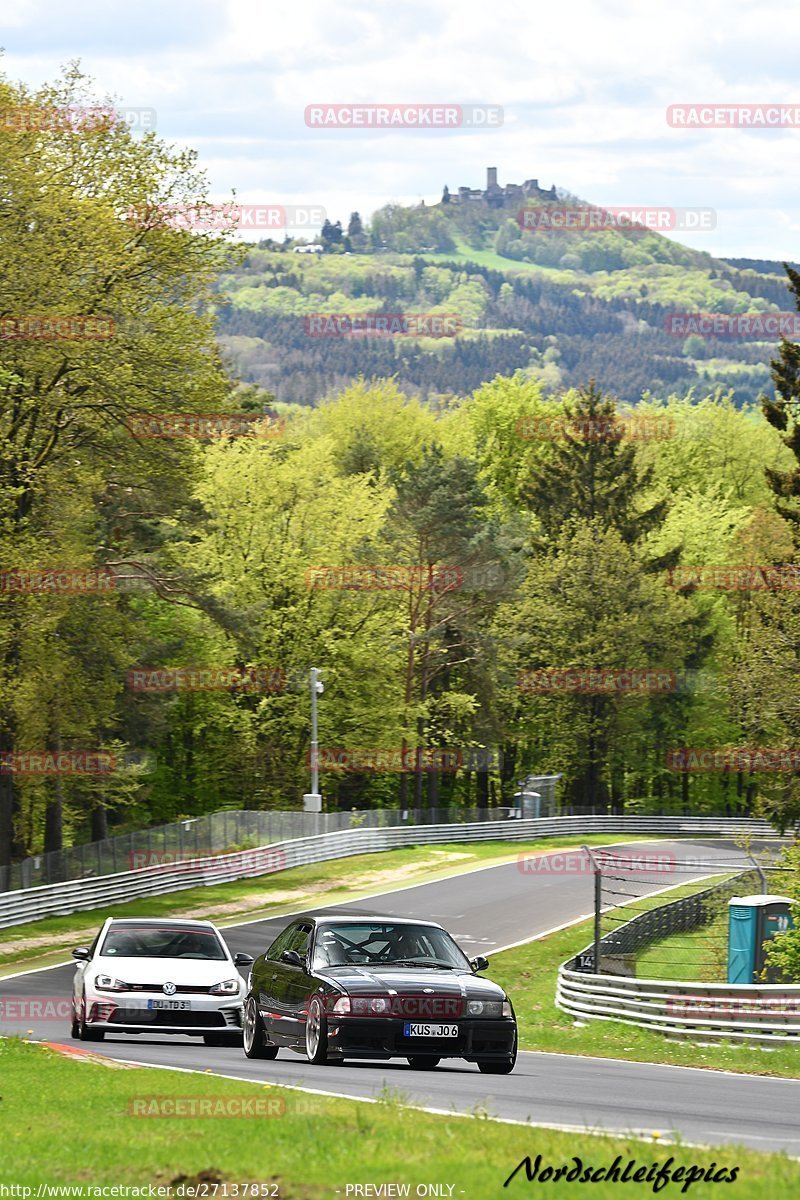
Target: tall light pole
312	801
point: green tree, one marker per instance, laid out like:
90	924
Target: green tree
87	233
592	474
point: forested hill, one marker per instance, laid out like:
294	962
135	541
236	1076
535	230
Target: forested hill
561	305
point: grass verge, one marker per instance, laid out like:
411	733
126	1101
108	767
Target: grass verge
42	943
700	956
68	1121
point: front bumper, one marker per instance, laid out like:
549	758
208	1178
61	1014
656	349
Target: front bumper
123	1013
377	1037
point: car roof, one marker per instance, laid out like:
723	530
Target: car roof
159	922
368	919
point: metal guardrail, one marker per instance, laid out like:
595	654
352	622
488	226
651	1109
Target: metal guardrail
766	1014
81	894
219	833
753	1013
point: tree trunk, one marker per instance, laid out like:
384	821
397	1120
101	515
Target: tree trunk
99	822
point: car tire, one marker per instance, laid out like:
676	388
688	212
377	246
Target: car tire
253	1033
85	1032
499	1067
489	1067
316	1033
423	1062
75	1028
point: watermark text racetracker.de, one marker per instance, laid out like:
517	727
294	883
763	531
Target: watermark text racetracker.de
598	681
15	1009
199	1190
192	1107
751	759
357	577
734	116
405	759
743	577
753	326
382	324
205	425
728	1008
575	863
262	861
404	116
56	327
228	216
57	762
581	218
72	118
596	429
64	581
156	680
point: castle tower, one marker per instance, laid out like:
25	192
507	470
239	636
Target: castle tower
491	179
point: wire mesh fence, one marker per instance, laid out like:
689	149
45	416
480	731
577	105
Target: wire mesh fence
658	916
217	833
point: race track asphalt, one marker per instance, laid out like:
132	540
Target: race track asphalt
490	908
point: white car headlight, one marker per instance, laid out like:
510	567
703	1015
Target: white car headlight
229	987
342	1005
106	983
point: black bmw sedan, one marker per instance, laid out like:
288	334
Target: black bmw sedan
334	987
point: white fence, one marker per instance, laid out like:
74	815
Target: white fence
707	1012
77	895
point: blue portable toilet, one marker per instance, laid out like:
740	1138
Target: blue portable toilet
752	921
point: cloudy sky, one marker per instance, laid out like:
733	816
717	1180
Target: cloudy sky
584	89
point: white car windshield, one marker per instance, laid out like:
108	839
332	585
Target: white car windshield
151	941
383	943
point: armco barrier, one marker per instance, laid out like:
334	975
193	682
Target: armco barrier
765	1014
757	1013
79	894
220	832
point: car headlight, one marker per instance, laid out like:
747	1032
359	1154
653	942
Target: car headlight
106	983
489	1008
229	987
342	1006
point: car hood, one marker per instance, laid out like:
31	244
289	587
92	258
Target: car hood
157	971
411	980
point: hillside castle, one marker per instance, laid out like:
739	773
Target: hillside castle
497	197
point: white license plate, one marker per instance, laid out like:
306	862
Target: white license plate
170	1005
410	1029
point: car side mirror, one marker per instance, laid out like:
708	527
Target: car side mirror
82	953
243	960
479	963
292	958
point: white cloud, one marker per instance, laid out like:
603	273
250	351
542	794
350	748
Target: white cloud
584	88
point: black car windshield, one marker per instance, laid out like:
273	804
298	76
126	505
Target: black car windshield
382	943
151	941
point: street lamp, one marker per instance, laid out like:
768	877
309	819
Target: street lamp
312	801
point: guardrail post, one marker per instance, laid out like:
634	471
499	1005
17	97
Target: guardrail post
761	875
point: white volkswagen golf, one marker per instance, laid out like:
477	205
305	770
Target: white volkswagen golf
158	977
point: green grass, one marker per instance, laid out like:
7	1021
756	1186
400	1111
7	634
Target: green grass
67	1121
700	956
528	973
465	253
227	903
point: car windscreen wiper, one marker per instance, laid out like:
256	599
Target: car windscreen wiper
415	962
